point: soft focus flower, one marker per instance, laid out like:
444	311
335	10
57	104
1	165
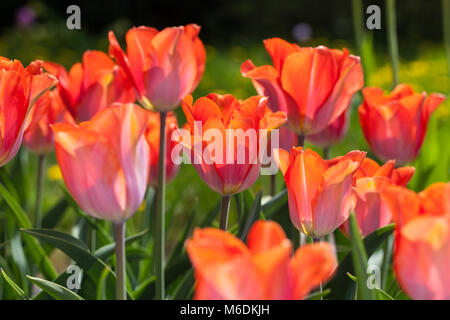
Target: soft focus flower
92	85
422	241
395	125
333	133
152	135
372	211
235	164
164	66
313	85
320	192
105	161
40	138
20	104
225	268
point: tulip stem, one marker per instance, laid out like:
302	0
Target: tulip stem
318	240
391	25
446	23
326	153
119	237
159	227
224	212
273	184
39	191
301	140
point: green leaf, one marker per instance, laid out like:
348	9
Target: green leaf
55	290
341	287
274	205
13	286
186	286
352	277
359	256
108	250
37	253
252	217
382	295
54	215
318	295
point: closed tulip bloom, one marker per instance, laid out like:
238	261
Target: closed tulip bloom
333	133
40	138
422	241
20	105
395	125
105	161
152	135
225	268
164	66
320	192
372	210
313	85
231	164
92	85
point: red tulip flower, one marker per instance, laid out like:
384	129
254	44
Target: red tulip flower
372	210
228	169
320	192
152	135
333	133
313	85
40	138
225	268
395	125
422	241
164	66
105	161
20	104
92	85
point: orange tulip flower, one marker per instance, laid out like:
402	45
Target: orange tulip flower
313	85
228	169
372	211
164	66
92	85
225	268
422	241
395	125
40	138
105	161
152	135
20	104
320	192
333	133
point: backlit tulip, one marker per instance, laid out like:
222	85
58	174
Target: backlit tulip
164	66
152	135
105	161
92	85
372	211
395	124
320	192
228	164
20	104
225	268
313	85
422	241
333	133
40	138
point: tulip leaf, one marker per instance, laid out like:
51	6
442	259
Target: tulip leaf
54	215
359	256
108	250
382	295
318	295
252	216
13	285
55	290
36	251
341	286
185	288
274	205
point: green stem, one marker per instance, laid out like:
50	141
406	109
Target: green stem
273	184
358	23
301	140
224	212
119	236
326	153
391	24
39	191
93	237
446	24
385	264
318	240
159	227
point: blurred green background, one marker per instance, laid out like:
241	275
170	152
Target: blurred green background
232	32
